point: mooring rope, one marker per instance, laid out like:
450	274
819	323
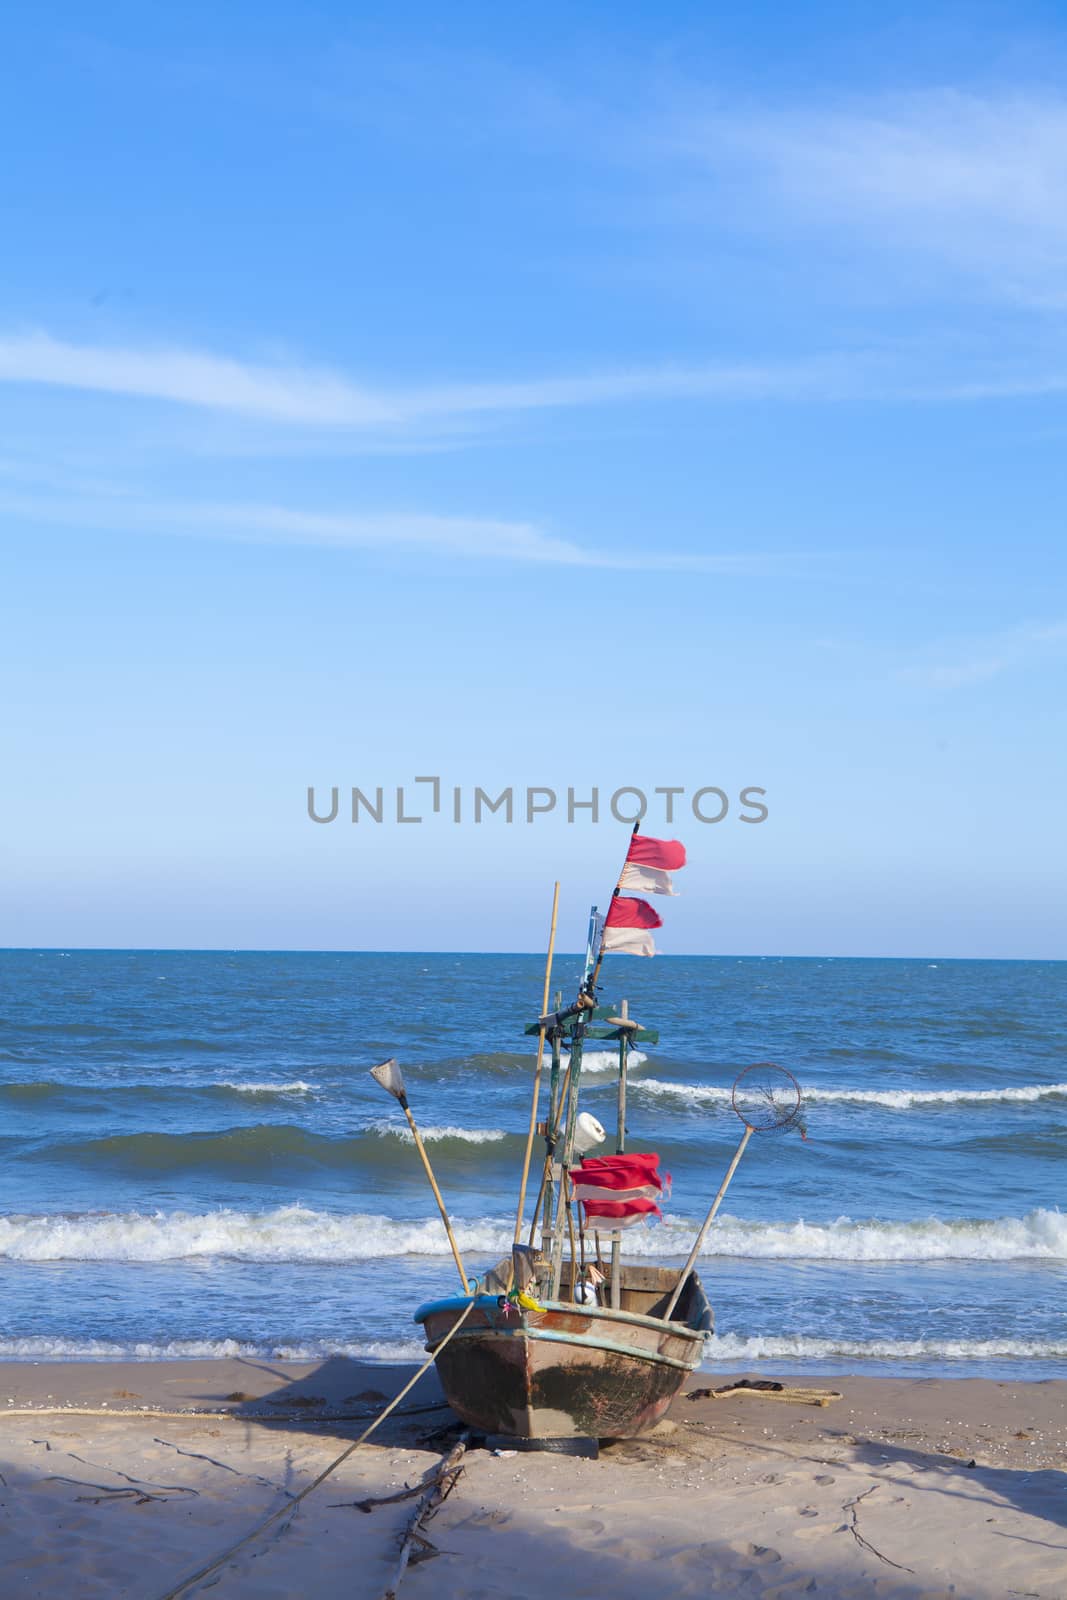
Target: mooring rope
290	1505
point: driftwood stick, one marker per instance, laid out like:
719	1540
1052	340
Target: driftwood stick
442	1485
865	1544
768	1391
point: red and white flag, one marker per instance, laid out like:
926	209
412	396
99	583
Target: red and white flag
627	925
649	864
617	1191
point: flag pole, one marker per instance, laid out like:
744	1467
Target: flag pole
537	1070
589	988
620	1147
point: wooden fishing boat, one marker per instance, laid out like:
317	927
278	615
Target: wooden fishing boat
570	1370
556	1342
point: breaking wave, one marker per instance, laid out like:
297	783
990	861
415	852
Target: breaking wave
297	1233
891	1099
432	1135
765	1347
298	1086
735	1349
599	1061
265	1148
46	1349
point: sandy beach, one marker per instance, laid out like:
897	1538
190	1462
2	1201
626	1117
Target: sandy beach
122	1479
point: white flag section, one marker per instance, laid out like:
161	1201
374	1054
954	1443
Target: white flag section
596	1191
629	941
646	880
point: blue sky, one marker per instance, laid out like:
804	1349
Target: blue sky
627	395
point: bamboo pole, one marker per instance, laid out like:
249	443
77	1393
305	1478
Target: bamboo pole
421	1148
706	1224
545	1191
574	1074
537	1072
620	1148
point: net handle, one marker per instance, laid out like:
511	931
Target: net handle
706	1224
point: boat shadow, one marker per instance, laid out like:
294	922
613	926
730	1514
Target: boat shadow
341	1394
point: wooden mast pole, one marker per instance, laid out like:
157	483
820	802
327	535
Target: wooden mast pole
590	987
537	1072
563	1201
620	1147
545	1192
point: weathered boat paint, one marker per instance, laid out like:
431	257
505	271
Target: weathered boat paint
567	1371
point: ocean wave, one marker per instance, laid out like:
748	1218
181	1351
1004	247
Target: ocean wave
1039	1236
595	1062
891	1099
433	1134
297	1233
287	1233
298	1086
46	1088
736	1348
51	1349
515	1064
264	1147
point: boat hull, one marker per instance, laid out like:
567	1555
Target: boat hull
568	1371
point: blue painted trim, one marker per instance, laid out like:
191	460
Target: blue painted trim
488	1302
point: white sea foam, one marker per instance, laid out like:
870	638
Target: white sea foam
298	1086
393	1130
893	1099
296	1233
1038	1236
765	1347
600	1061
287	1233
44	1349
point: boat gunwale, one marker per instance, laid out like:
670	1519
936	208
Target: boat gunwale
540	1335
600	1313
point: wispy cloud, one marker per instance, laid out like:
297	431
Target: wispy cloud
291	406
977	182
315	398
979	660
453	537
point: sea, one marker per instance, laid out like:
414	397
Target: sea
194	1160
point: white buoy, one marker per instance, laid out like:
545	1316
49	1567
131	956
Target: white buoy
588	1133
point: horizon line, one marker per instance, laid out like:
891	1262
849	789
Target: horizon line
661	955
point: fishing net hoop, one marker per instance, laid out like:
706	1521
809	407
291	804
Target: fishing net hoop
767	1098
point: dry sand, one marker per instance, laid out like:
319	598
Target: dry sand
902	1490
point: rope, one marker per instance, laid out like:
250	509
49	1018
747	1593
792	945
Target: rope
290	1505
215	1416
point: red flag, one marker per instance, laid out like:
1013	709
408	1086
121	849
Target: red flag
618	1190
667	854
626	912
613	1214
620	1171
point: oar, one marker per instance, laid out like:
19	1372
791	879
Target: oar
537	1071
389	1075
